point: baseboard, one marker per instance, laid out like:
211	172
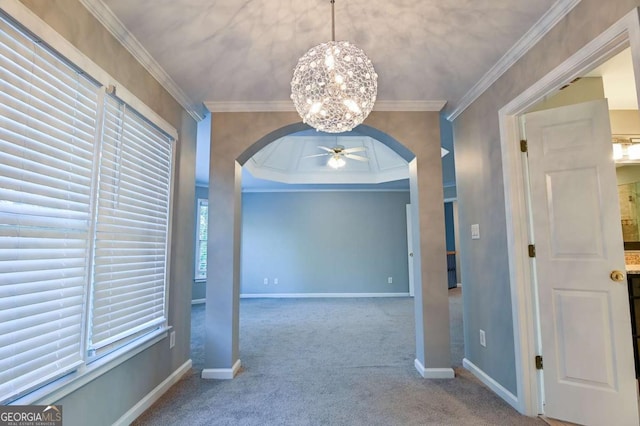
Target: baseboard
459	285
146	402
307	295
314	295
221	373
496	387
434	373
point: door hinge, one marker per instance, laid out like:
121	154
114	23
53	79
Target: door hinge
523	145
538	362
532	250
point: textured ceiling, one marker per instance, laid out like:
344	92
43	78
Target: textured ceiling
245	51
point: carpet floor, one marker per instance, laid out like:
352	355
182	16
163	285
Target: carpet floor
330	362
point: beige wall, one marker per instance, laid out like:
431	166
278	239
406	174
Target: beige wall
108	397
583	90
237	136
487	298
625	122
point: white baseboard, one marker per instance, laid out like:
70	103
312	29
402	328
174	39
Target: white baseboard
313	295
434	373
459	285
307	295
500	390
221	373
146	402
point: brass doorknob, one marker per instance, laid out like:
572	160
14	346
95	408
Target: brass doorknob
616	276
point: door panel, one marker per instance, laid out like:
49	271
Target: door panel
584	310
573	238
584	316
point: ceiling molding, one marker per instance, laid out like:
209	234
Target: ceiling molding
287	106
250	106
558	11
409	106
109	20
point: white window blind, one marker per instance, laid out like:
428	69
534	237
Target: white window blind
201	242
132	230
47	133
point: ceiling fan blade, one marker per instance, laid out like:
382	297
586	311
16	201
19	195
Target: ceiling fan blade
326	149
356	157
316	155
355	149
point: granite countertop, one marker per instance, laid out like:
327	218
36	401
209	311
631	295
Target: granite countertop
632	261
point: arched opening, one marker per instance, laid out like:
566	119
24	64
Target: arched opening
235	138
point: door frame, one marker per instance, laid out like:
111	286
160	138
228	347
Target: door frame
622	34
410	248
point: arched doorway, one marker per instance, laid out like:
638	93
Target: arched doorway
236	137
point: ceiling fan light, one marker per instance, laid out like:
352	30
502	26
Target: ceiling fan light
336	162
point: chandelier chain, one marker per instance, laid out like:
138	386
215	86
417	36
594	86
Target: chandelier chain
333	21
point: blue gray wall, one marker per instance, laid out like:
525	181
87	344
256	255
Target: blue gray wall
449	227
269	216
324	242
105	399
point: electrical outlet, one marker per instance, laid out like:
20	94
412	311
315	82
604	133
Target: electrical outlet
483	339
266	280
172	339
275	281
390	280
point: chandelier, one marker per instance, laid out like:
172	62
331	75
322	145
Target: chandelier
334	85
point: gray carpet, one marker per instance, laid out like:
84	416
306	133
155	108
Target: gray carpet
330	362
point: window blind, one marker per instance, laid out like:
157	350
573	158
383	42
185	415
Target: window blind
132	229
201	243
47	132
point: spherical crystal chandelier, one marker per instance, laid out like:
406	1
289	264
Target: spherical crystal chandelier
334	85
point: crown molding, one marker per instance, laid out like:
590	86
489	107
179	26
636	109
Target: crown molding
409	106
250	106
287	106
555	13
111	22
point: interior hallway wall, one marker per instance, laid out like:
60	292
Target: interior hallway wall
479	178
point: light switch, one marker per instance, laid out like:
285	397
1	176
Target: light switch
475	231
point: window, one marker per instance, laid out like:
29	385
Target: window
131	229
201	241
84	217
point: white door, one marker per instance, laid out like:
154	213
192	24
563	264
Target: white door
585	325
410	248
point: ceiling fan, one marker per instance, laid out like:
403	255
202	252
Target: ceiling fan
338	153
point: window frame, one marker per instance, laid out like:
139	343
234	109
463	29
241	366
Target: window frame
35	28
199	273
